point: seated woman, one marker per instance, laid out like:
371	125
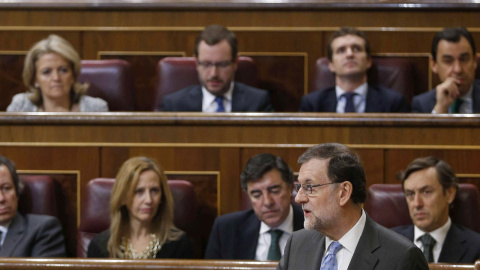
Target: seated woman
141	213
50	73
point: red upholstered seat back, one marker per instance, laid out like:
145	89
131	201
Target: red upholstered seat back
176	73
95	214
39	196
111	80
386	204
393	72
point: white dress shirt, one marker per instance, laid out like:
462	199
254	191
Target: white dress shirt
264	237
359	100
349	242
439	235
209	104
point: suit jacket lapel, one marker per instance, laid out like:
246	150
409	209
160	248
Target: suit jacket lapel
238	99
315	258
454	246
246	238
373	102
14	234
364	257
196	98
476	97
330	101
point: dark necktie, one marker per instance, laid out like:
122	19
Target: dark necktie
455	107
428	242
349	105
274	253
219	101
330	261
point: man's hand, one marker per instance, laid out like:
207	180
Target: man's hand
447	92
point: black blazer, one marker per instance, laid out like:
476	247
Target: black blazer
34	236
244	99
234	236
424	103
379	99
461	245
378	249
178	249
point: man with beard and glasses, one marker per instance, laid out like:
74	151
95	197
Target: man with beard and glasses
349	58
216	58
454	60
338	233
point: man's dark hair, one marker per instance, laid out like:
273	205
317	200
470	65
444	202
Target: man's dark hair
453	34
445	174
261	164
347	31
13	172
343	165
214	34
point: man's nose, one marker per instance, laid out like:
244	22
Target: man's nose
457	67
301	197
417	201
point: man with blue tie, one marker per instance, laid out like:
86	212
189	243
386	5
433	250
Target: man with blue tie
454	60
349	58
338	234
216	57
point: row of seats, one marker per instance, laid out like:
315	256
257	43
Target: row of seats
386	204
112	80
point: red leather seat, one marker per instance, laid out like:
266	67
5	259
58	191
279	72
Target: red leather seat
395	73
176	73
39	195
111	80
386	205
95	213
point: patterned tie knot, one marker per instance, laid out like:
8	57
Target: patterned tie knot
330	261
219	101
428	242
274	252
349	105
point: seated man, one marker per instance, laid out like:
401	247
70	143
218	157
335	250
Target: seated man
454	60
430	186
349	58
262	232
338	232
29	235
216	58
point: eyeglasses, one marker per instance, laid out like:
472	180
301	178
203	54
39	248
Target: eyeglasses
308	188
219	65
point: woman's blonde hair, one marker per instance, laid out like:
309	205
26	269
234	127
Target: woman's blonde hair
122	195
58	45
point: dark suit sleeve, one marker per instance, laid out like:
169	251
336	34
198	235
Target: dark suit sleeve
183	248
417	106
402	105
305	105
214	246
49	241
413	260
266	104
165	105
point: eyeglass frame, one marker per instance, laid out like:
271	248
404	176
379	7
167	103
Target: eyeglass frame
310	187
218	65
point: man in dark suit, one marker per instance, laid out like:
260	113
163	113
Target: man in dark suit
454	60
349	58
430	186
261	232
216	59
338	233
29	235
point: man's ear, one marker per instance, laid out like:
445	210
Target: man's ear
450	193
331	67
433	65
345	192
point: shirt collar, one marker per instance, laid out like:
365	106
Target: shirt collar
468	95
439	234
209	98
361	90
350	240
286	226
